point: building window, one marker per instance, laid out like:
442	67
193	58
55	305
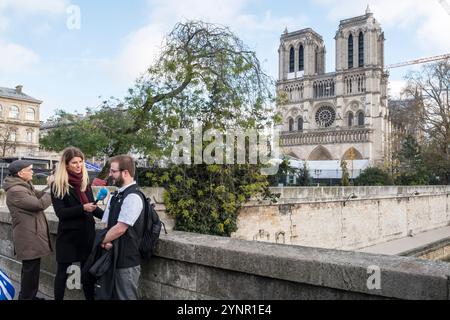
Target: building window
292	60
300	124
361	50
350	51
290	180
30	114
13	136
325	116
291	125
361	119
301	58
30	136
14	112
350	119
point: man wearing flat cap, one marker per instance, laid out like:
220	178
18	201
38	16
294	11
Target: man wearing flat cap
30	228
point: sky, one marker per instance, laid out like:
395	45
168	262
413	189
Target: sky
73	54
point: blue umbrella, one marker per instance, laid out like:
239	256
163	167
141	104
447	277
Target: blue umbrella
6	288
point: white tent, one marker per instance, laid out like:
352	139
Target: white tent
331	169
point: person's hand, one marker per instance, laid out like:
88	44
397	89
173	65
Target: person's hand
89	207
107	246
50	179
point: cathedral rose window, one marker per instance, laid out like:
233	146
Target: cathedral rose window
325	116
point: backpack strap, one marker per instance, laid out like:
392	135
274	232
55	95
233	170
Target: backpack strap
145	208
120	196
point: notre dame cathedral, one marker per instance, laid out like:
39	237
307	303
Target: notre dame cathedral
342	115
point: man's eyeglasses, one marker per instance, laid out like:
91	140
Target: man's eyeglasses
114	171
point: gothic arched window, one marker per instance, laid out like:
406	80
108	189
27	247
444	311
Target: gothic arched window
291	125
350	51
361	50
350	119
316	59
301	58
361	121
300	124
292	60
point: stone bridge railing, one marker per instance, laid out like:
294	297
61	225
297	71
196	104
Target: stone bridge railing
194	267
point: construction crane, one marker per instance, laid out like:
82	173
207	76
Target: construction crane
418	61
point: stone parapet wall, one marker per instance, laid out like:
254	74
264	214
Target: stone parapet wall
327	218
195	267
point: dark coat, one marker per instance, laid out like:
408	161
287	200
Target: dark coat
101	265
31	235
76	228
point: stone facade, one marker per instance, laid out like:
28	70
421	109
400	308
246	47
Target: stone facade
341	115
19	123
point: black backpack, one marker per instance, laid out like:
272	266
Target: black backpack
152	229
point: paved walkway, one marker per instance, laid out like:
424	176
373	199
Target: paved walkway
397	247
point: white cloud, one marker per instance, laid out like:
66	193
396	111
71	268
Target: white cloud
395	88
10	9
16	58
4	23
269	23
434	32
24	7
219	11
138	52
427	21
42	29
140	47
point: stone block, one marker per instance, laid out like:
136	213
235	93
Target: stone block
174	293
229	285
149	290
175	273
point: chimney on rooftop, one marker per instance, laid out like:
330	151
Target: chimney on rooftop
19	89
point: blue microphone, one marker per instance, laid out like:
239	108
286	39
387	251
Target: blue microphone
101	195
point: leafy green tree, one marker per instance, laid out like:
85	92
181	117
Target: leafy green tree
437	163
430	90
281	177
374	177
303	176
412	166
204	75
101	133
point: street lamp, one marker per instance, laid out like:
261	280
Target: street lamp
352	196
318	172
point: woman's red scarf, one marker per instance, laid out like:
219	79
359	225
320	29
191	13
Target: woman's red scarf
75	180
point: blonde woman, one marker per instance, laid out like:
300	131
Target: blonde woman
73	202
